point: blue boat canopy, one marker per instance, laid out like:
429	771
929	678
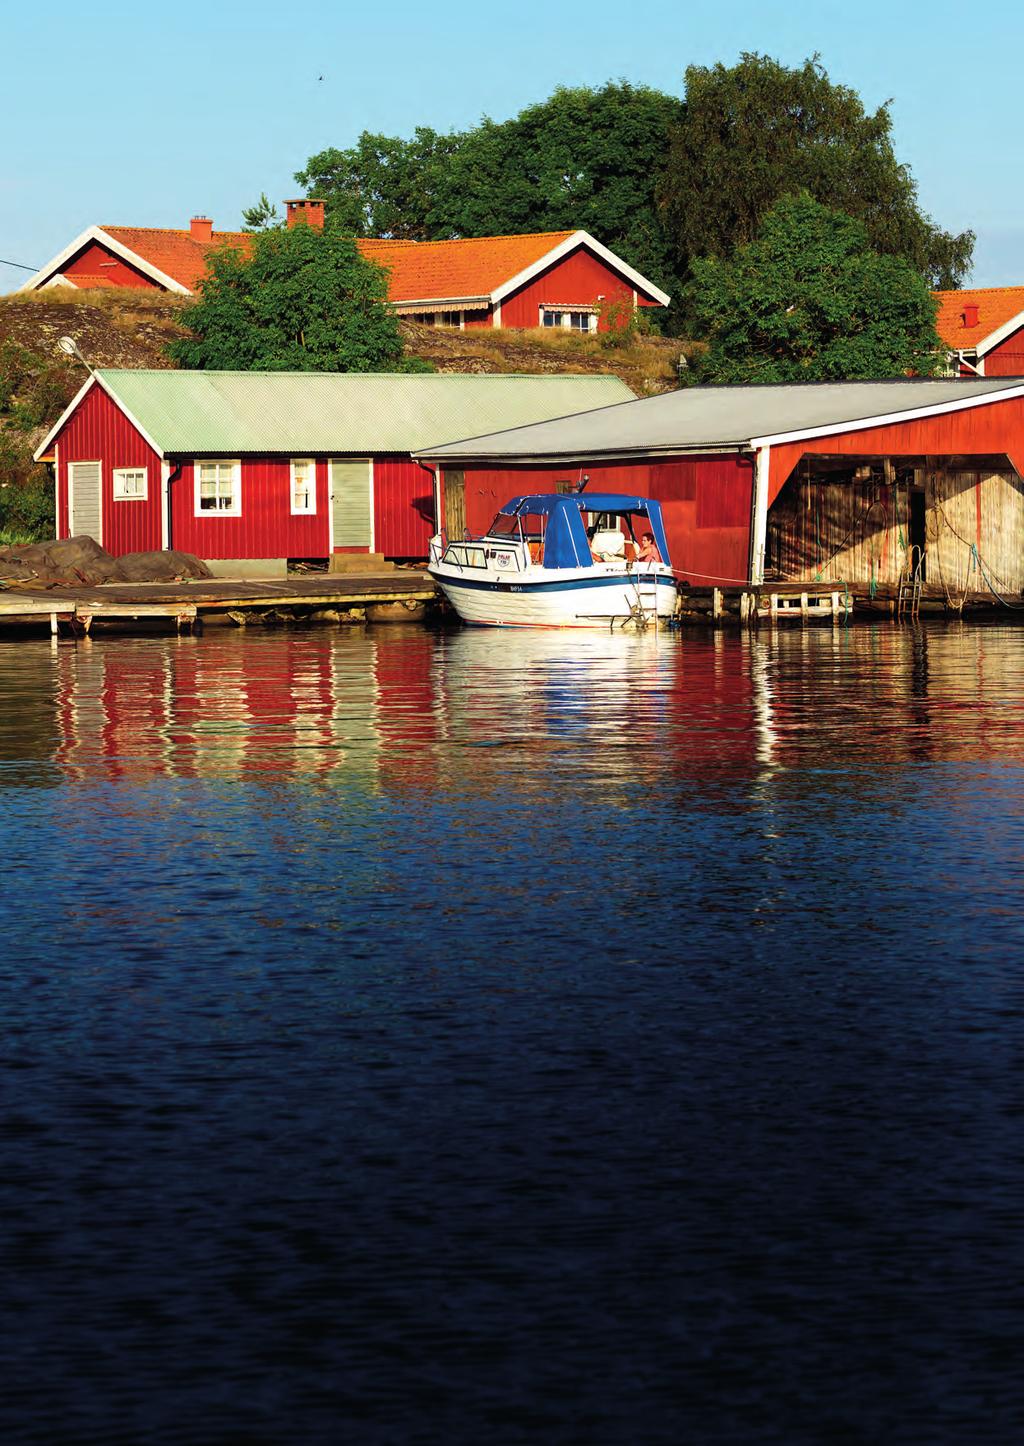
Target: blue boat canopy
565	541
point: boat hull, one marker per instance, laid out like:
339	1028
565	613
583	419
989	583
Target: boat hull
574	602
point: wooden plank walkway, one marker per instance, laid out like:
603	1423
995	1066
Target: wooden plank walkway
803	602
183	602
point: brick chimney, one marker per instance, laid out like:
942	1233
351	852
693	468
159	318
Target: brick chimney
201	228
970	314
306	212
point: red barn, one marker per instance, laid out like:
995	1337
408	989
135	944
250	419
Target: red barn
843	482
562	279
984	330
237	466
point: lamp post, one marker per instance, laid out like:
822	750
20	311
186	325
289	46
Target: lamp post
69	346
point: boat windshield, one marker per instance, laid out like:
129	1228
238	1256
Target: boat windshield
506	524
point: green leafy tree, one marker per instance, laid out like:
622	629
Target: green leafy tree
298	299
261	217
810	300
758	130
585	159
381	186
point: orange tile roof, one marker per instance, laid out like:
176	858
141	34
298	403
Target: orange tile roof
437	270
996	306
176	253
420	270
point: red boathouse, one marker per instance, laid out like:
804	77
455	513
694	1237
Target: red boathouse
853	482
244	466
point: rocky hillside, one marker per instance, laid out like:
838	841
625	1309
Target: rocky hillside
132	329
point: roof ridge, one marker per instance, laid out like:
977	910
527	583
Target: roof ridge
973	290
461	240
166	230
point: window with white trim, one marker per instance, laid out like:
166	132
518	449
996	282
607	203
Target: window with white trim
218	489
303	486
569	320
130	484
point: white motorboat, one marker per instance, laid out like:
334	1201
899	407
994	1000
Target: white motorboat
561	560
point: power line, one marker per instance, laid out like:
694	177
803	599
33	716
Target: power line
20	265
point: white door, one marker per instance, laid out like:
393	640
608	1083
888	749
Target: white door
85	509
352	504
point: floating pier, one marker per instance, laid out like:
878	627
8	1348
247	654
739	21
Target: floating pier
352	596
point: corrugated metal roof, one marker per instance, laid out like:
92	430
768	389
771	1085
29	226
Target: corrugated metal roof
703	417
185	413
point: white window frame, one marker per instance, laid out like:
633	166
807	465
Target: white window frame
235	510
309	462
119	473
566	313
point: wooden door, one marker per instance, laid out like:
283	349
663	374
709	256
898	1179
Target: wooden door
85	507
455	505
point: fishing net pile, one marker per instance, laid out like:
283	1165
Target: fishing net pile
81	561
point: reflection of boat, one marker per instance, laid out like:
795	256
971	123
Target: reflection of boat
564	561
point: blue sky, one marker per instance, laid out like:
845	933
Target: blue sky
147	116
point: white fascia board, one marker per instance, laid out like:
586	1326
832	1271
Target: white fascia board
44	445
1000	334
564	248
571	459
98	380
97	233
863	424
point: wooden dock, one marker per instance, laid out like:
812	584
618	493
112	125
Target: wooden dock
783	604
351	596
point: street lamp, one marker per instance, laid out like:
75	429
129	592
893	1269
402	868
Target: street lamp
69	346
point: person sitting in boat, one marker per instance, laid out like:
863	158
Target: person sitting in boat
648	550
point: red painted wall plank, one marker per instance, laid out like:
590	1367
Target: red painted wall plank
706	502
579	279
1007	359
98	431
266	527
996	428
403	507
97	260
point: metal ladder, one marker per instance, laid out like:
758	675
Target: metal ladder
908	596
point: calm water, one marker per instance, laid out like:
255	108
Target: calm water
473	1037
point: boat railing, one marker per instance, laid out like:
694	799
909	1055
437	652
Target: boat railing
480	554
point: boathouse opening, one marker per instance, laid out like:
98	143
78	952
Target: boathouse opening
868	521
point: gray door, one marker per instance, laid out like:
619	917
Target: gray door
84	508
351	521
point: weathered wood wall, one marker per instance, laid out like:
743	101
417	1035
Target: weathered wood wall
860	529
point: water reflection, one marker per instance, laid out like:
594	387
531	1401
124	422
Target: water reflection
395	710
414	1036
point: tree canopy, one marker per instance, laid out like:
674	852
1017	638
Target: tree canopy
585	159
810	300
300	299
758	130
660	180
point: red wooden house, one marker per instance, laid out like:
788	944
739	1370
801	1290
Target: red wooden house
837	482
984	330
562	279
236	466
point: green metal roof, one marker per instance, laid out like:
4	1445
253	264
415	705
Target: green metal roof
299	413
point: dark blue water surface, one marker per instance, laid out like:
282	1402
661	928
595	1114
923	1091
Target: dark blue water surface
415	1037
